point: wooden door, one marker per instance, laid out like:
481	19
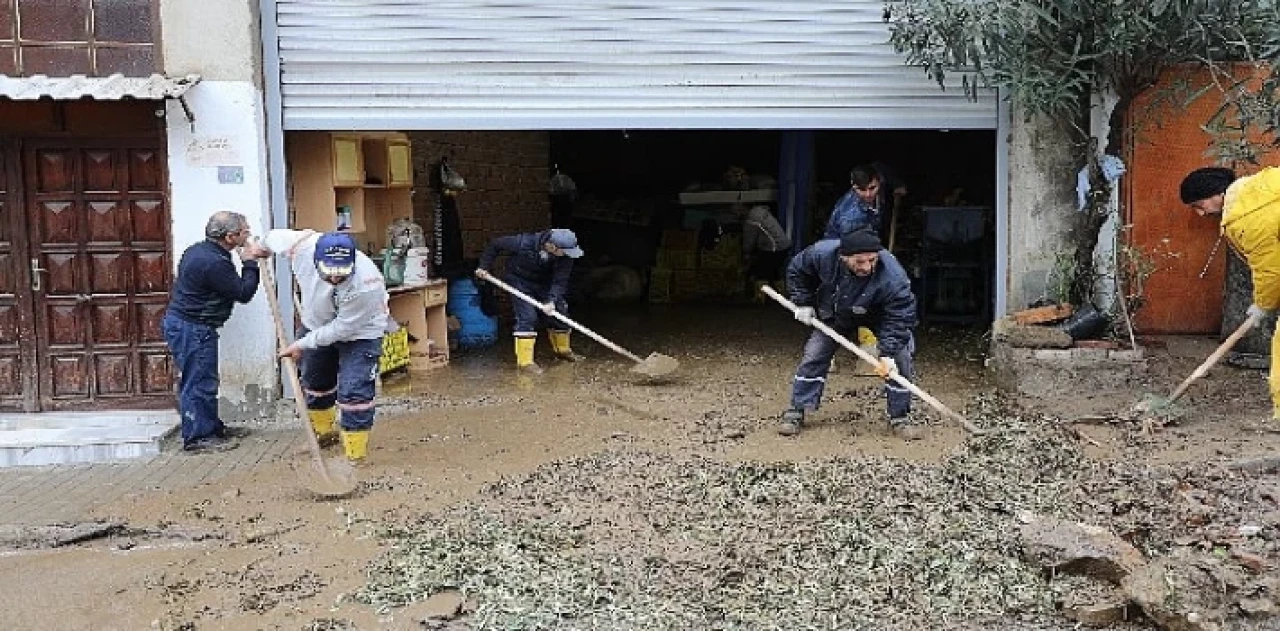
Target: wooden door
98	229
18	347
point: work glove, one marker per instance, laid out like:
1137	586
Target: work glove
1259	314
804	315
887	367
548	308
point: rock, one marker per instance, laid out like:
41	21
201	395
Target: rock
1096	613
1075	548
1029	336
446	605
1255	562
1169	594
1257	606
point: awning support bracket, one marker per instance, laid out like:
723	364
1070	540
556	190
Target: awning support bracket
186	109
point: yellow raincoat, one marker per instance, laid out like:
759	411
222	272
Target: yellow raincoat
1251	222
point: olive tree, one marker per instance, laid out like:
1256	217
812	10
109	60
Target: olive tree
1055	58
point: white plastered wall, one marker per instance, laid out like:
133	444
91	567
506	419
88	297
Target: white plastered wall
217	160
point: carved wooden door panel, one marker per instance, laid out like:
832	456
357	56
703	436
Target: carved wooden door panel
18	377
98	229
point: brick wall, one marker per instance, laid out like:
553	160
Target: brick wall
506	173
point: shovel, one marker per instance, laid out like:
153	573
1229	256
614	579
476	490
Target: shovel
331	478
899	379
654	366
1155	404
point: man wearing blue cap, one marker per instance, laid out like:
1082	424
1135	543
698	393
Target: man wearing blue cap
539	265
344	316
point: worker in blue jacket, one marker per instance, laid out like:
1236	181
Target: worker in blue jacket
849	283
540	264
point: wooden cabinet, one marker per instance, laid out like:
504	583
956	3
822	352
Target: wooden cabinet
400	163
348	161
372	175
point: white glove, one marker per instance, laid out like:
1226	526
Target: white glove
549	308
804	315
887	367
482	273
1259	314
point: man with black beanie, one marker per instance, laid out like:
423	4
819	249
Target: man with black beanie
849	283
1250	209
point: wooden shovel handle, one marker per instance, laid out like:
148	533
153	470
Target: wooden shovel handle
290	368
897	378
1213	359
490	278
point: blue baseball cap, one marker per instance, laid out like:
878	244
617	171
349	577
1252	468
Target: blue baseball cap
336	254
566	241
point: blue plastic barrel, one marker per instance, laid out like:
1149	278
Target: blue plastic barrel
477	329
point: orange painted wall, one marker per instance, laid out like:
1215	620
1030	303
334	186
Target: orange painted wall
1168	143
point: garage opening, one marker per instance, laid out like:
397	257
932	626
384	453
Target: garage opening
665	209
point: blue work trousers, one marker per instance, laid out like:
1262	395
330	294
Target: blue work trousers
344	374
528	317
195	355
811	375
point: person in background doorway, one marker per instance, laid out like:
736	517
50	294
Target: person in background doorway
540	264
205	290
851	283
344	316
765	245
874	192
1250	209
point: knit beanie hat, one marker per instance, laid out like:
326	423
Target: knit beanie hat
1205	183
859	242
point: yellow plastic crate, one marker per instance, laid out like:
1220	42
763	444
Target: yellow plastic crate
395	351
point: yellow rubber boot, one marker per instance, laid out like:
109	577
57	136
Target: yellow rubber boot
524	355
355	445
322	422
560	344
1274	378
867	341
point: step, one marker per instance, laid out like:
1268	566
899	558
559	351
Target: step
82	437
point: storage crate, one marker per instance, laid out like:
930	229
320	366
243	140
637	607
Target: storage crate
680	240
677	259
726	255
685	285
660	285
395	351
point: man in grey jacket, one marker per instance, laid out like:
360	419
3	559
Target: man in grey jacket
344	316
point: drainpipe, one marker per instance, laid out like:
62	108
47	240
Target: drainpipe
277	178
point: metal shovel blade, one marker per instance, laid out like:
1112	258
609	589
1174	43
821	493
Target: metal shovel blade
331	478
656	365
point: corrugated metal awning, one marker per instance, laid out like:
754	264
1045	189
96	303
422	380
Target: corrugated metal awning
113	88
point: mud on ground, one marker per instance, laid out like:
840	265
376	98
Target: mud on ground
585	493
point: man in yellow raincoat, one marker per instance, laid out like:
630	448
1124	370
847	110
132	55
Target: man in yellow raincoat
1250	208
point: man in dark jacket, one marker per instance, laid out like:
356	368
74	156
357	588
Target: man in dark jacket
540	264
849	283
206	288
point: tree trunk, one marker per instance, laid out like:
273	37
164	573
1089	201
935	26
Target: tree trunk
1088	226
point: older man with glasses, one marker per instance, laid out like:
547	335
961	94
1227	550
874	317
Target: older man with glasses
204	292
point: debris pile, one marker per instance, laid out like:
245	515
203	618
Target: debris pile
1016	528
